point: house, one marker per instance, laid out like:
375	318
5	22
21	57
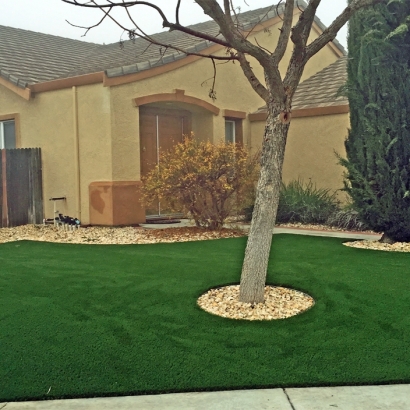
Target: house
102	113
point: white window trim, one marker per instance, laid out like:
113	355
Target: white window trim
2	131
233	130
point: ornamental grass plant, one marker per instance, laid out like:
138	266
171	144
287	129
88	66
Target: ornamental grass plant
302	202
346	218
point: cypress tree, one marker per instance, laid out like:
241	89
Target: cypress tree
378	143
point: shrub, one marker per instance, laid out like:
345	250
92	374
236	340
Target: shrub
207	181
377	147
347	218
305	203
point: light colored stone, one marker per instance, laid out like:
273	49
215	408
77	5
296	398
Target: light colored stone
108	236
280	303
378	246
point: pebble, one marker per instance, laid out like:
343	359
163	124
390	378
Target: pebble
280	303
379	246
96	235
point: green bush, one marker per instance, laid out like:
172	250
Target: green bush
305	203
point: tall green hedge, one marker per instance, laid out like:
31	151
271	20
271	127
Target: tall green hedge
378	144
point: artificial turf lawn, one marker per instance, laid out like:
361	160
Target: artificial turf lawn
90	320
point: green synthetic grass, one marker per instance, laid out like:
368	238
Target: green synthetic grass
90	320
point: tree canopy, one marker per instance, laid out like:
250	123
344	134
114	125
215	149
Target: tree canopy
378	145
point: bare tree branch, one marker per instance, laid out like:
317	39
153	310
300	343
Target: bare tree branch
133	33
284	31
262	17
177	11
227	7
90	27
232	35
165	22
330	33
253	80
300	32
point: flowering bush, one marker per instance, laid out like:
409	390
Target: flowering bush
207	181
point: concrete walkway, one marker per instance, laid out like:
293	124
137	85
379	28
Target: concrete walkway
330	234
394	397
296	231
386	397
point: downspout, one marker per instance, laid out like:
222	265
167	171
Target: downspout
77	152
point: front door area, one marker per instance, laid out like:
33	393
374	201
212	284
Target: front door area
160	130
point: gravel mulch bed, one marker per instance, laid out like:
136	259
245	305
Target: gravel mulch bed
378	246
320	227
280	303
107	236
136	235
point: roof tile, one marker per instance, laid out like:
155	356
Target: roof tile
33	57
322	89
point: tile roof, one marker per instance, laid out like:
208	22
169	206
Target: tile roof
321	90
28	57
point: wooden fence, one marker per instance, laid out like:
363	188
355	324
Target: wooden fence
21	191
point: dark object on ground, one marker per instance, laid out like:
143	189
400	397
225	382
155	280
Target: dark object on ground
163	221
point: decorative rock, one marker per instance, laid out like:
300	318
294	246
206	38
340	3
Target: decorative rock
280	303
109	236
378	246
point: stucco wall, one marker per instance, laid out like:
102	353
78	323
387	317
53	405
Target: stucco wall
310	150
96	146
47	121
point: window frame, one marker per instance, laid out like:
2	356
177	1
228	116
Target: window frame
11	117
233	136
237	129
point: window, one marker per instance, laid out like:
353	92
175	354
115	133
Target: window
7	134
230	131
233	130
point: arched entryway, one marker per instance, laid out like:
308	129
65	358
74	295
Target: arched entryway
163	120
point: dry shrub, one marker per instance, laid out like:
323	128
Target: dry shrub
207	181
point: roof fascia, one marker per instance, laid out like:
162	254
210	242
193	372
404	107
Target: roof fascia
22	92
306	112
61	83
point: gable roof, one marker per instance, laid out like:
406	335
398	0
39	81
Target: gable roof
28	57
321	90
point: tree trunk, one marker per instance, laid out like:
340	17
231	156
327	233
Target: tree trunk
257	251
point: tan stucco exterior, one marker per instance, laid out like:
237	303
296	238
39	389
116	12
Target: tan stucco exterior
89	133
311	149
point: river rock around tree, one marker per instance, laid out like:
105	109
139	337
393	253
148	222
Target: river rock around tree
280	303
